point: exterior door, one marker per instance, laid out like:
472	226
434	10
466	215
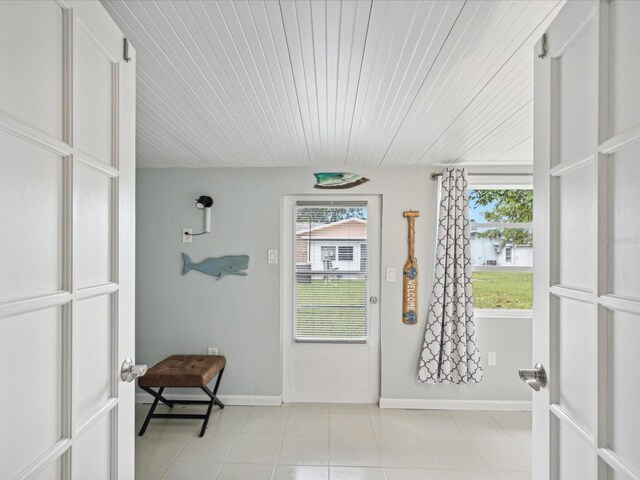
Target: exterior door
331	283
67	137
587	227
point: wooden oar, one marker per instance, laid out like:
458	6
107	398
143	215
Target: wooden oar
410	275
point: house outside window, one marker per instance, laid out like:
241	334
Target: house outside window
345	253
502	248
331	271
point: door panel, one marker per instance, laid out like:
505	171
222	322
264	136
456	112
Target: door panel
577	73
572	455
94	238
576	215
622	247
93	106
31	90
623	61
307	377
93	345
67	191
27	342
586	277
624	416
31	179
576	351
92	455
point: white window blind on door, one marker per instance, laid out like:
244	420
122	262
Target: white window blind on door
331	272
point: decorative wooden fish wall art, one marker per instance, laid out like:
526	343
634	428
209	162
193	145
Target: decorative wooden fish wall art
410	275
217	267
338	180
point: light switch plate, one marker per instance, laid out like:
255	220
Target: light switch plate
391	274
272	256
187	238
491	359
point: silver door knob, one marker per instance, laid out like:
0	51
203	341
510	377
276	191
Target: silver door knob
536	378
129	371
373	300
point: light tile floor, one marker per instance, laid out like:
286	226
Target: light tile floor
336	442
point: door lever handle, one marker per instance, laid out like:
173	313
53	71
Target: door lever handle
536	378
129	372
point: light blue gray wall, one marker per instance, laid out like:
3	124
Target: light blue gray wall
241	315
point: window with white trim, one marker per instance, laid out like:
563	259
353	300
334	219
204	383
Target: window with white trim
363	257
502	247
328	253
330	288
345	253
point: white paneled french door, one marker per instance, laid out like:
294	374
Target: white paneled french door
67	172
587	228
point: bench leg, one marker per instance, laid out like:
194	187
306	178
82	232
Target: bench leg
158	396
156	399
207	415
215	390
214	401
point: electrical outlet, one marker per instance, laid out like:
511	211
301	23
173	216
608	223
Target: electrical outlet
491	359
212	351
272	256
391	274
186	235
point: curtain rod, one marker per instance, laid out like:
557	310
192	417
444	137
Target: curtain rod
434	176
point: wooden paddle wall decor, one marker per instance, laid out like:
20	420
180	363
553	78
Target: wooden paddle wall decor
410	275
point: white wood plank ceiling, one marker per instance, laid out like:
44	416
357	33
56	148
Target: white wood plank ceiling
351	82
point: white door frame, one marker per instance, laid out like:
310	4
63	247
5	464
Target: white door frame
287	302
550	415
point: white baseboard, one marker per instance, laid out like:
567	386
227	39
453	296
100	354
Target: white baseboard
400	403
330	397
257	400
432	404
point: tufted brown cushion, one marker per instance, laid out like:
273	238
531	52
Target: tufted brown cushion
183	371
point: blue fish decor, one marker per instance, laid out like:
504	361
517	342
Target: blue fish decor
217	267
338	180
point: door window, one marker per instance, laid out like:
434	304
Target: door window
330	279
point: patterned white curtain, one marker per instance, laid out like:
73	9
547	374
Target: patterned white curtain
450	352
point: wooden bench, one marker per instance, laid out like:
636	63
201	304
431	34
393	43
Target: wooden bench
180	371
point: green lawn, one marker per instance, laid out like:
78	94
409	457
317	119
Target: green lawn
497	290
338	305
335	291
